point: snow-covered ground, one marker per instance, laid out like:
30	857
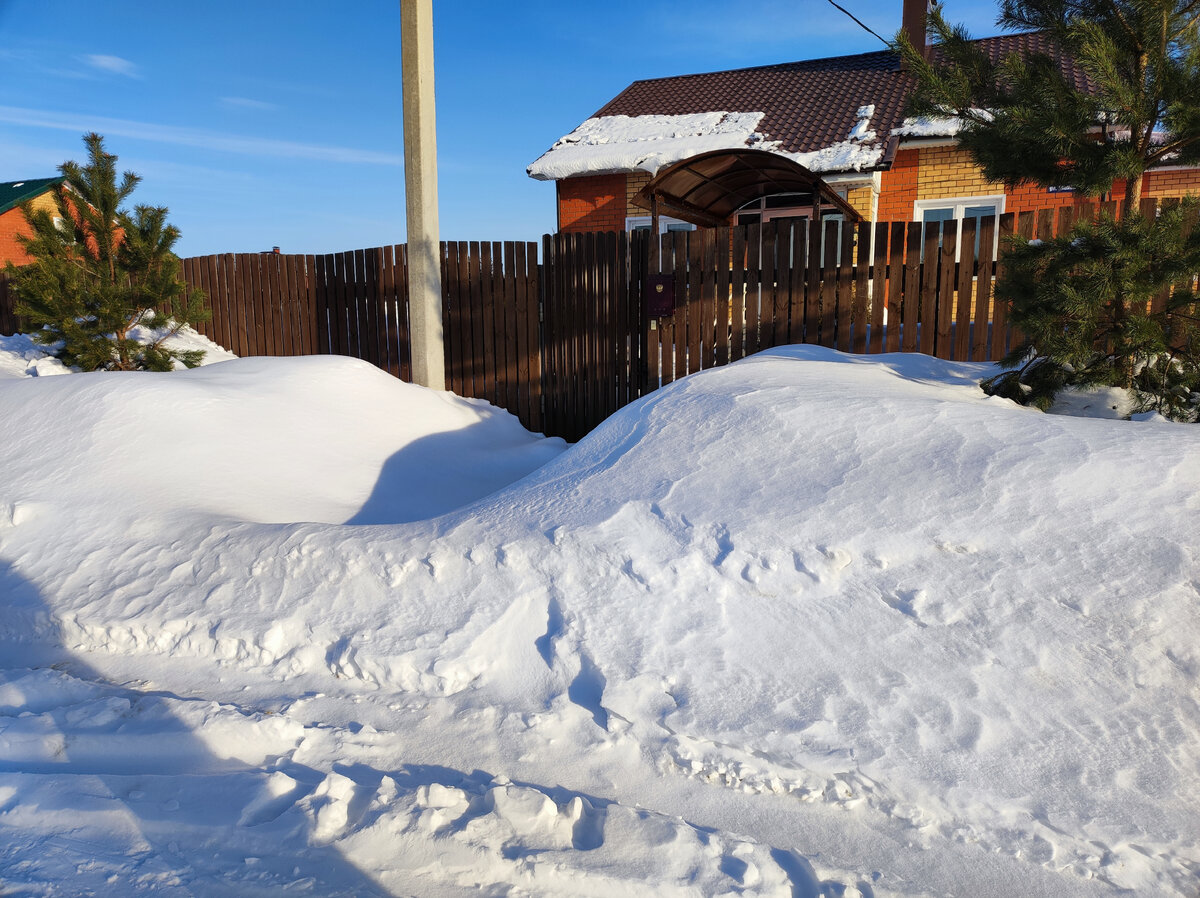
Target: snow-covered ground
807	625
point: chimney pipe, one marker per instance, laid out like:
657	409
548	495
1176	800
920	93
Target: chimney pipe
913	24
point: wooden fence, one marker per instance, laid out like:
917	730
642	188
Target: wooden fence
353	303
564	343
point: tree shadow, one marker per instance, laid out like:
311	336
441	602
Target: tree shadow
443	472
106	787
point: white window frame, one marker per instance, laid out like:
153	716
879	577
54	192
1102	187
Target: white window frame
959	204
759	207
665	222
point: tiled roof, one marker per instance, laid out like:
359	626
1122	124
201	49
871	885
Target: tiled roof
809	105
13	193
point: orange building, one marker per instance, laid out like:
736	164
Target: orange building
40	192
842	119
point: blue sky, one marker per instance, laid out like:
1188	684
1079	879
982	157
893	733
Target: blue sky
263	123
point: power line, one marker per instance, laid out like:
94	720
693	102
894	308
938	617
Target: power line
859	22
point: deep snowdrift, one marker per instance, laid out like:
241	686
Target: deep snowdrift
808	624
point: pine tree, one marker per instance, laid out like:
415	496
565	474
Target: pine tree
1084	300
99	271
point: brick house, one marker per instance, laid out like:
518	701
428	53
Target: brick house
841	118
38	191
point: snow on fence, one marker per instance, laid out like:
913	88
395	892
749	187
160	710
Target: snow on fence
564	341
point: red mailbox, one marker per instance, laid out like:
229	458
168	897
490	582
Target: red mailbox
660	296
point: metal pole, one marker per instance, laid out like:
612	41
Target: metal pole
420	182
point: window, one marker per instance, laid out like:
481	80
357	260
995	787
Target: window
665	224
957	209
785	206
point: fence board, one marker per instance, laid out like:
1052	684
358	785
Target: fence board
571	314
221	277
233	300
216	295
269	265
520	288
293	278
981	330
910	303
785	304
862	272
944	348
342	297
1066	220
615	340
343	293
387	311
675	330
709	324
737	296
243	297
878	288
549	291
376	320
311	304
931	234
465	322
845	282
752	281
296	317
564	344
694	277
285	338
964	288
9	322
1000	335
767	289
507	254
895	285
402	322
1045	224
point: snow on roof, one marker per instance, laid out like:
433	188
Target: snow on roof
934	125
622	143
929	126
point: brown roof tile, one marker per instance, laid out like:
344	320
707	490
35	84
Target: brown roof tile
812	104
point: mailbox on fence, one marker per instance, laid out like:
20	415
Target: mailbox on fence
660	296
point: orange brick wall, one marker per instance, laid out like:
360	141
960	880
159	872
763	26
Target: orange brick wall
898	187
592	203
602	202
1172	183
945	172
12	223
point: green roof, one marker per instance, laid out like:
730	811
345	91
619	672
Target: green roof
13	193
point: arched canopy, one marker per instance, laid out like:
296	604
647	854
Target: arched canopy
707	189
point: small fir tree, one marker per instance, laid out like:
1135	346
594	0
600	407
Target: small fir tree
1110	302
99	271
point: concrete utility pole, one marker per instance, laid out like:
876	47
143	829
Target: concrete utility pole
420	182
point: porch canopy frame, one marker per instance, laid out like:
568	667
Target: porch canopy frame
708	189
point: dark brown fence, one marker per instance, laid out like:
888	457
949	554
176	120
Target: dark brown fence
565	343
490	325
353	303
10	322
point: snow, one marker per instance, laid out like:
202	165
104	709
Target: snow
617	143
621	143
862	128
929	126
934	126
808	624
20	356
